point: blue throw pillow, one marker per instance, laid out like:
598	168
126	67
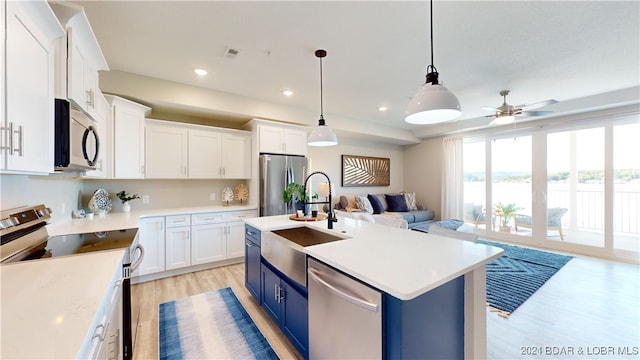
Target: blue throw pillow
396	203
376	204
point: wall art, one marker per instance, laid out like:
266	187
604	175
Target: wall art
365	171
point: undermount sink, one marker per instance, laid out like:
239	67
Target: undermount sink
284	249
305	236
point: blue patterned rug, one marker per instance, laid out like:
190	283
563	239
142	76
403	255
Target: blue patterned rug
213	325
515	276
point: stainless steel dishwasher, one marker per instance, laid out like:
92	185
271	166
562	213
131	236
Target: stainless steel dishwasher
345	316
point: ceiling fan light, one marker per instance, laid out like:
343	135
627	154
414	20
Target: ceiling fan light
322	135
432	104
504	120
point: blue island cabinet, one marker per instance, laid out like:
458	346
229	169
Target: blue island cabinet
282	298
430	326
287	305
252	262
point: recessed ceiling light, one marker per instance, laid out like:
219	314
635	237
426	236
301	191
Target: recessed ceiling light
382	108
201	72
287	93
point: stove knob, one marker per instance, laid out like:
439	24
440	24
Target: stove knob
8	222
43	212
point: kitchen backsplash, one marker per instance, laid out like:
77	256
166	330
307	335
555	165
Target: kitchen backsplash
64	194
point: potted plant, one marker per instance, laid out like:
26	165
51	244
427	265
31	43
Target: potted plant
295	192
125	198
505	213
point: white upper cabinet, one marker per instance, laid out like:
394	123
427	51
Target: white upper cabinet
127	147
235	156
204	154
196	151
285	139
27	106
84	58
166	147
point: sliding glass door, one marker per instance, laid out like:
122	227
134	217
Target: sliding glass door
626	189
511	201
576	186
573	188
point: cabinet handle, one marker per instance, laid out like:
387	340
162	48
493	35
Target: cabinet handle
90	97
20	141
250	233
10	139
249	244
278	292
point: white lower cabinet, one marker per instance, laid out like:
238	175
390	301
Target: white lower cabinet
208	243
151	237
176	243
235	239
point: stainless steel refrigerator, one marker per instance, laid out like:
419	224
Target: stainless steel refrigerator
276	172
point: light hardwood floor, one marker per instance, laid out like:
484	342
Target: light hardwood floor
589	304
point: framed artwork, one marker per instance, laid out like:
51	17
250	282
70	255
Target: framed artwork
365	171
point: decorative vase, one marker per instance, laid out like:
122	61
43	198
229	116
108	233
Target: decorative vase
126	207
506	229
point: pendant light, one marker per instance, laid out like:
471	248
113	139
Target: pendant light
432	103
322	135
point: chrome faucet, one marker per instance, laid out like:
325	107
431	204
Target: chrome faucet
331	216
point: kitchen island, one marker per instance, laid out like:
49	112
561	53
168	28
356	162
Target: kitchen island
408	267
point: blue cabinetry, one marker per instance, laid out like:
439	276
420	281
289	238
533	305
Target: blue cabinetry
287	305
252	262
284	300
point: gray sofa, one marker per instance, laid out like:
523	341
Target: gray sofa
415	216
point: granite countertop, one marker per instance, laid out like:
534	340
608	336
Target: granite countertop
400	262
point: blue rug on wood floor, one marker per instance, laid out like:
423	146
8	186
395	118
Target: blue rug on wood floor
213	325
517	274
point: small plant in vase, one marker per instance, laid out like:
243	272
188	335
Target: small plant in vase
125	198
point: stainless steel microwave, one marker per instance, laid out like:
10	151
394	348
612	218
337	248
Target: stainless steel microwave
77	144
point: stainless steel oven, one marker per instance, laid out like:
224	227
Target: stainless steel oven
24	238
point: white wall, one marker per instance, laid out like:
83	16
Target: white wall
61	194
423	173
329	160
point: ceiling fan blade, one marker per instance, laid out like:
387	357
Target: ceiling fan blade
535	113
490	108
538	104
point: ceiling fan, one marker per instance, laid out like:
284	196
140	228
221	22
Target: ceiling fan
506	114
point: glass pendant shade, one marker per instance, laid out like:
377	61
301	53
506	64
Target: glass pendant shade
322	135
432	104
504	119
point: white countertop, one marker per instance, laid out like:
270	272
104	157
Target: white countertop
128	220
403	263
49	306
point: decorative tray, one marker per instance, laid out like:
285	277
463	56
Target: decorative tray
320	217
